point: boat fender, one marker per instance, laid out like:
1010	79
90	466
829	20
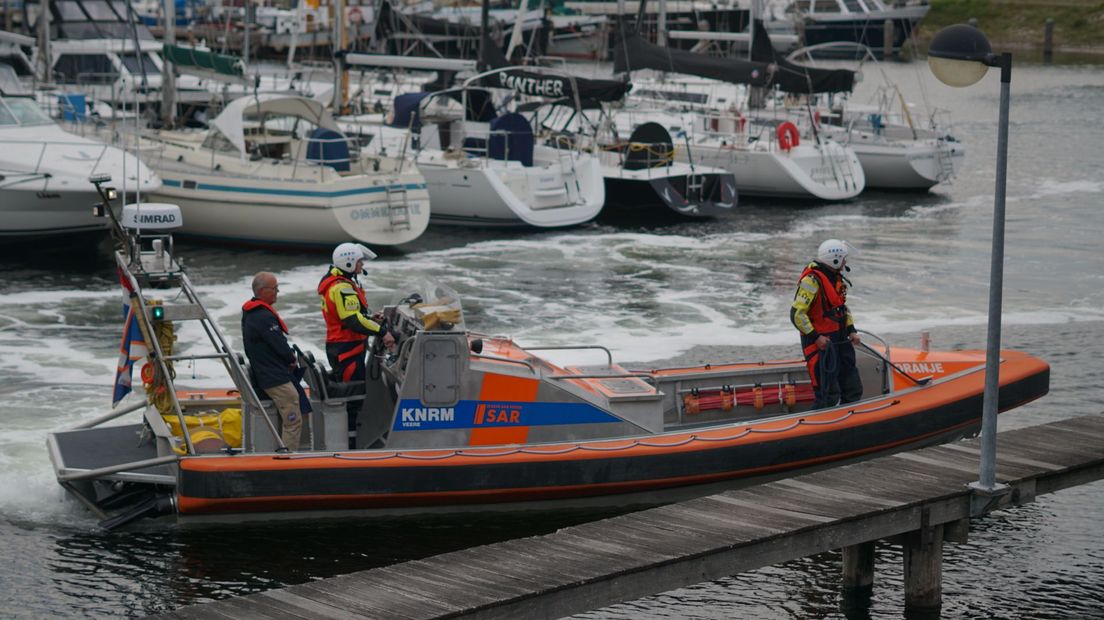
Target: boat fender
758	393
791	394
691	402
476	346
787	136
728	397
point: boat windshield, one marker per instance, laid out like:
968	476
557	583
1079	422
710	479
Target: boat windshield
22	111
437	305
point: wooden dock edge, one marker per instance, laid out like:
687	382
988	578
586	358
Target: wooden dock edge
919	497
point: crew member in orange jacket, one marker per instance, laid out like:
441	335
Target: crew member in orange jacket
827	329
349	322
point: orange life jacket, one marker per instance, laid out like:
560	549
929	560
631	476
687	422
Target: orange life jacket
830	315
335	329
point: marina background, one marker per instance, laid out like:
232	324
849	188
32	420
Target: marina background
700	290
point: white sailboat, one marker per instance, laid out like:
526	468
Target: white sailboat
760	146
276	170
487	169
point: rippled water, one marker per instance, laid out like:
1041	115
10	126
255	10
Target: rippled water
698	290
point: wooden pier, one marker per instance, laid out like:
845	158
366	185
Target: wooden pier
920	497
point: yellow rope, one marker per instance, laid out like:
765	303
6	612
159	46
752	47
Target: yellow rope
157	388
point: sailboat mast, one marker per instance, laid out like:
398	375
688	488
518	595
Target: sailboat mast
484	32
248	17
168	78
44	39
340	44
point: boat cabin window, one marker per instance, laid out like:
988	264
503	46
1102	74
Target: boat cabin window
130	61
824	6
85	68
100	10
70	11
9	80
22	111
218	142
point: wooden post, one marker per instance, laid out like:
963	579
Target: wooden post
887	39
858	566
924	569
1048	41
857	585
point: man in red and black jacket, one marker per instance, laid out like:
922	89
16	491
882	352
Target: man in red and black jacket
264	335
828	332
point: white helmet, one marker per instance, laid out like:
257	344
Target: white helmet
833	253
346	255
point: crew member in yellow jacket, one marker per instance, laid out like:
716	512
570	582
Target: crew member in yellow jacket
349	322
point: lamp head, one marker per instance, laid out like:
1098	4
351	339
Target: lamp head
959	55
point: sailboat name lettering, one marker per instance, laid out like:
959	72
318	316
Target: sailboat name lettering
532	86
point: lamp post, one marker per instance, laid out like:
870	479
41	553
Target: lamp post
960	55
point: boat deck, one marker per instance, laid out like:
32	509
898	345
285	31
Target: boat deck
96	448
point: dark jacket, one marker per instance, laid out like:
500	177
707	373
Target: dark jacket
266	345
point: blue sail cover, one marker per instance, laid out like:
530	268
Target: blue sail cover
329	148
511	139
405	111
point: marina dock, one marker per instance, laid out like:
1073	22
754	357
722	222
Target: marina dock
919	498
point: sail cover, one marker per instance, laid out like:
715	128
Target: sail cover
549	85
794	78
633	53
765	69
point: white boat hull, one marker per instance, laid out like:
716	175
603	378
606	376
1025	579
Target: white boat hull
288	213
915	166
44	188
831	172
490	192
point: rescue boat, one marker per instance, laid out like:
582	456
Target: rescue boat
456	420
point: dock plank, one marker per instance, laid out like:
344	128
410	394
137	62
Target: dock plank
816	499
1087	425
342	595
311	607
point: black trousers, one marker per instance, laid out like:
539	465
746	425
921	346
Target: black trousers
834	374
347	361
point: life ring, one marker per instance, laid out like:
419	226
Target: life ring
787	136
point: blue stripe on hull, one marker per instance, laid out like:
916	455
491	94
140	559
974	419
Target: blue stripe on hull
291	192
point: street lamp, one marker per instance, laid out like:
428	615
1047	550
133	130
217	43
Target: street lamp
960	55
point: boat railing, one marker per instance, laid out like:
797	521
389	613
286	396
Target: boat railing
498	358
577	347
643	376
350	159
44	146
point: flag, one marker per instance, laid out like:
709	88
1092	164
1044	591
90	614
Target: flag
132	349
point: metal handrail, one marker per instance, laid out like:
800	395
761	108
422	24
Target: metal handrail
628	375
506	359
609	355
114	469
107	417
